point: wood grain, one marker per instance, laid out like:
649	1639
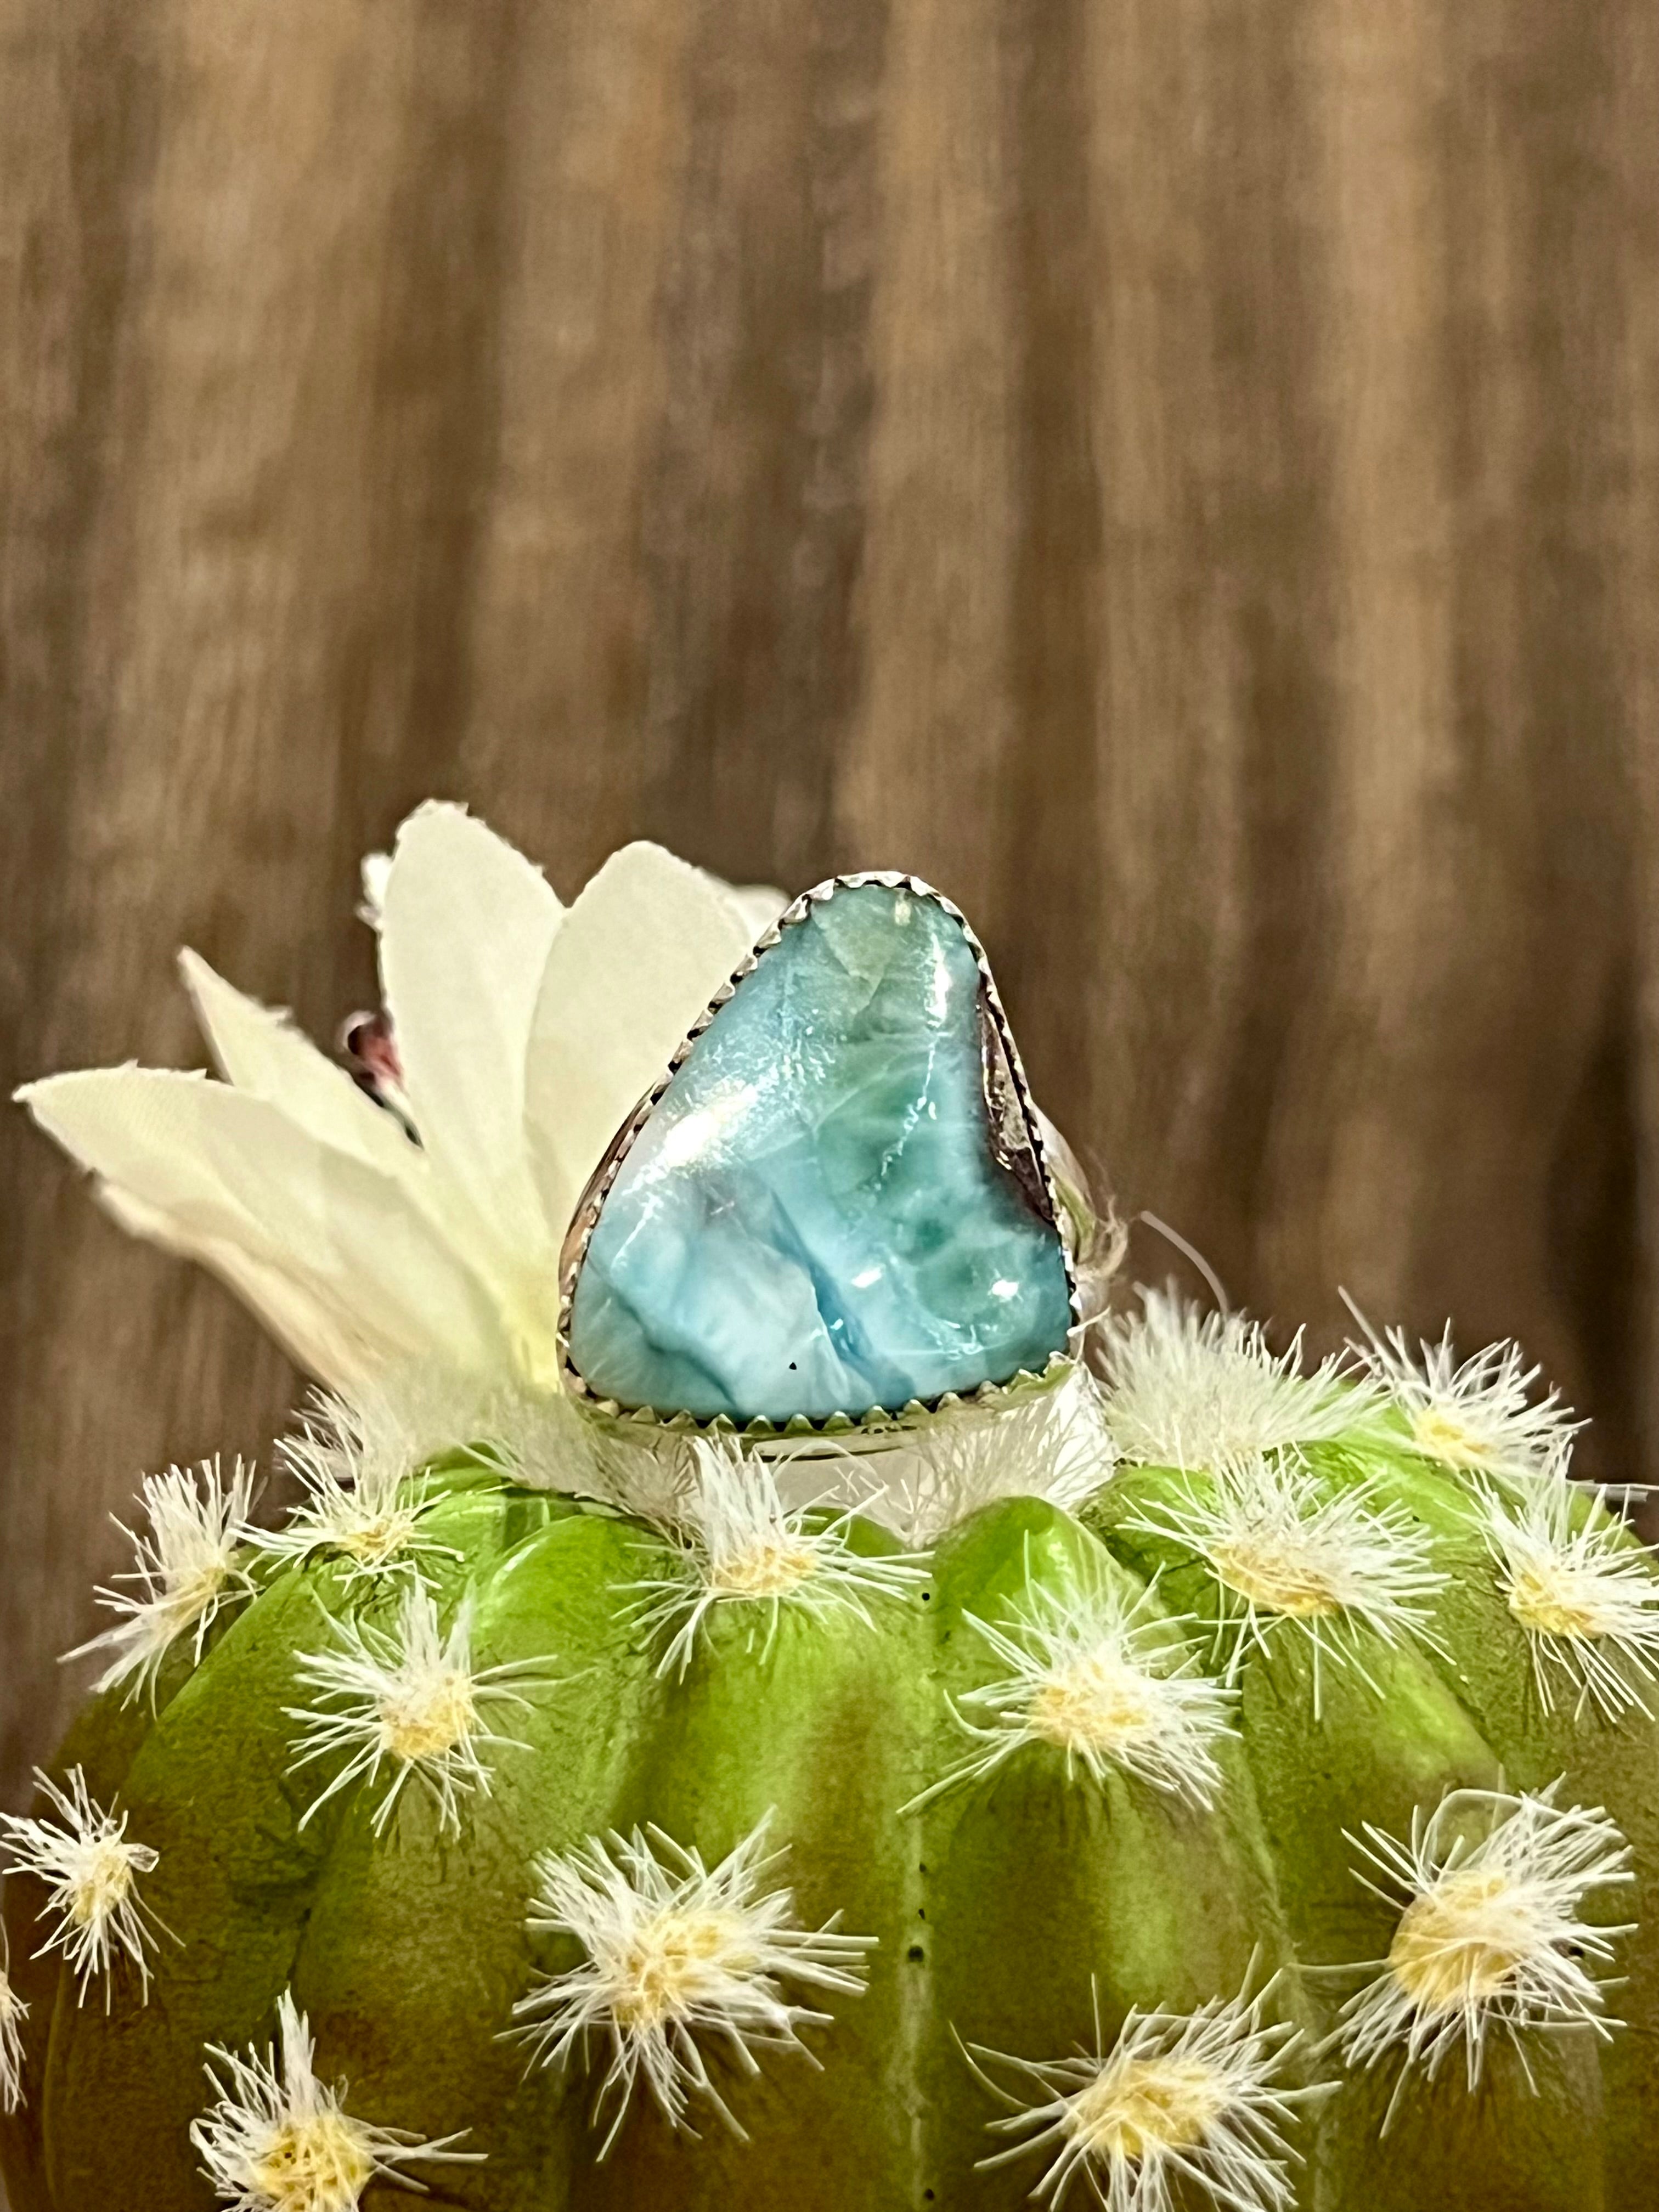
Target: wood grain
1184	477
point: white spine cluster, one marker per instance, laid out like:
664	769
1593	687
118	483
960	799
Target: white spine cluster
352	1459
1583	1590
1193	1390
13	2013
1478	1415
1057	1447
740	1548
677	1954
408	1699
1109	1679
1288	1555
186	1570
276	2139
649	1474
414	1413
91	1873
1491	1937
1185	2108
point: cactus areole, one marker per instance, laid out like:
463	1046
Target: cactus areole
772	1693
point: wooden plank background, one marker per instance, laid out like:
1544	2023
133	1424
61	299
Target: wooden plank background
1182	476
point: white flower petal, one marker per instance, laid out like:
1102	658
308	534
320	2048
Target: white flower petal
760	904
189	1213
466	926
259	1050
370	1256
641	953
336	1347
375	868
226	1168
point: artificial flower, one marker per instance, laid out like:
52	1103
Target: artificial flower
518	1037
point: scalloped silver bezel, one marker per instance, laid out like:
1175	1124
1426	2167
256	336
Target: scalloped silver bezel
573	1250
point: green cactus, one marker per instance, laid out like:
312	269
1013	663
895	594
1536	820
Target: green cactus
1180	1781
1256	1837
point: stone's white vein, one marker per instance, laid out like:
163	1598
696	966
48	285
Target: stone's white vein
677	1954
813	1220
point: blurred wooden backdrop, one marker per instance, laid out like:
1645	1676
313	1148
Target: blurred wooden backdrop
1184	474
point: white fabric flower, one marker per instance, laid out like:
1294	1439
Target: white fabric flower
526	1033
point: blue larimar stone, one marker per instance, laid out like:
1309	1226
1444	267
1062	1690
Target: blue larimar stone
815	1218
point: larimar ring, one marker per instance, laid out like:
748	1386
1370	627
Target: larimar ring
839	1208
